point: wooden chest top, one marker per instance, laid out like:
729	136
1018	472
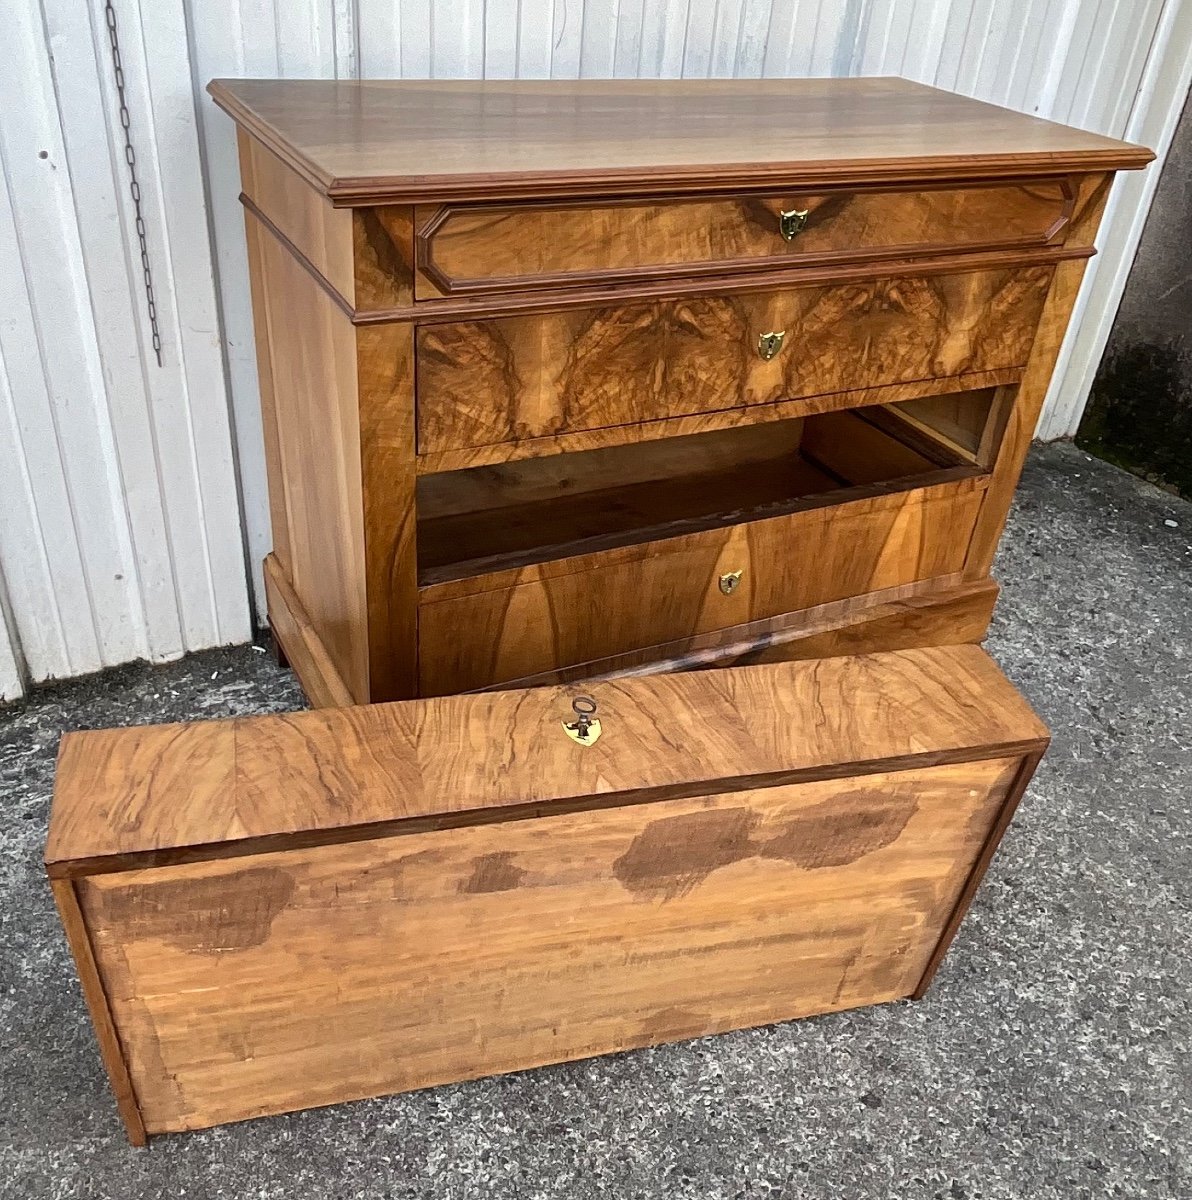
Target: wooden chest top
362	141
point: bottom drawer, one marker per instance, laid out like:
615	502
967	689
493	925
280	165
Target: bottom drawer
490	629
312	907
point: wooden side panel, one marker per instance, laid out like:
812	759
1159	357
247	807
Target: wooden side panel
314	450
481	248
516	378
320	233
545	618
1023	417
281	981
106	1035
321	681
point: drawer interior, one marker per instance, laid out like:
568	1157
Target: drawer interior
509	515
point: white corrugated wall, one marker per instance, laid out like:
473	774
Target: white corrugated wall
130	492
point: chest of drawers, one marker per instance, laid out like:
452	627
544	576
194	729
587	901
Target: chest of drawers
564	380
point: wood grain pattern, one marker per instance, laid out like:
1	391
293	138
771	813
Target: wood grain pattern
383	239
308	977
481	630
393	141
937	612
732	418
314	442
517	378
385	363
143	796
485	248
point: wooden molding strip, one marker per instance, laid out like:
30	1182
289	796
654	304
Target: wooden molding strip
426	312
340	301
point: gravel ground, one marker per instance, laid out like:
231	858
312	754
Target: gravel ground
1050	1059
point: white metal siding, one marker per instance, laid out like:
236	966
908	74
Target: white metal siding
120	518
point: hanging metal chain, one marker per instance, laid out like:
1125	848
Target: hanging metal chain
134	186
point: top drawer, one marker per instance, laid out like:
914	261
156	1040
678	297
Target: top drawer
474	248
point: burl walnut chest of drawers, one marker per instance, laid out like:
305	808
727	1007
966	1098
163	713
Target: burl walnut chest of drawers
566	380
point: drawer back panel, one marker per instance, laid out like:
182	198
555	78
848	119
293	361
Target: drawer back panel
515	378
262	984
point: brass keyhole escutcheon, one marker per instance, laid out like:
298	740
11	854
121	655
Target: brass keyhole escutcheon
792	222
730	581
770	343
585	729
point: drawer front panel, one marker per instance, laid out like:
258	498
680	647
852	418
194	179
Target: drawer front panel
482	248
542	618
258	985
516	378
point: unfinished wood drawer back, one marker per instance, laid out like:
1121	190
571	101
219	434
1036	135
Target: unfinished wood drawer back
473	248
295	910
510	379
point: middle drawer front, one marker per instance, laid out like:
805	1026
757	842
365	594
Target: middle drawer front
493	629
512	379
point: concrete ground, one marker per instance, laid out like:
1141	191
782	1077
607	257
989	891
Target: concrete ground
1051	1059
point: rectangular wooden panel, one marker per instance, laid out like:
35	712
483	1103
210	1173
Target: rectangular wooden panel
309	400
284	980
516	378
468	249
486	629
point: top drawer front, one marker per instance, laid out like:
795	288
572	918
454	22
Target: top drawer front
483	248
513	379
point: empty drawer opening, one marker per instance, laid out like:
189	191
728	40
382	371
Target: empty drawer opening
509	515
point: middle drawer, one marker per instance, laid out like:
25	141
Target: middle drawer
512	379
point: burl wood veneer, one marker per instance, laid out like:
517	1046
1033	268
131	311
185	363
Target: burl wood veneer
514	337
286	911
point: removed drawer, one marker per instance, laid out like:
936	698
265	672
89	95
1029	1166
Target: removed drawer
472	248
274	913
517	378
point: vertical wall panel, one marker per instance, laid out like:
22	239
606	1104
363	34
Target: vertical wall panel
120	529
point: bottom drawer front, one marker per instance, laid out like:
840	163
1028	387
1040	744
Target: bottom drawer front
263	984
619	601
